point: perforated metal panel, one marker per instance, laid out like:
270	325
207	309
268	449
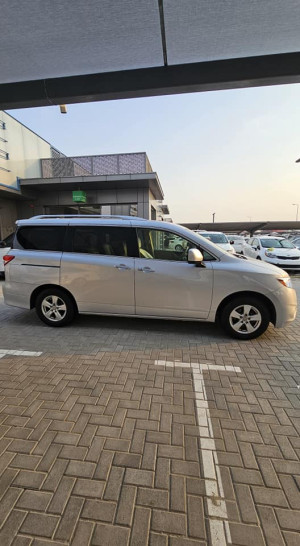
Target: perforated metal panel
132	163
60	167
105	164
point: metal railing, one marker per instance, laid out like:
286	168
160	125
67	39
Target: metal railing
93	165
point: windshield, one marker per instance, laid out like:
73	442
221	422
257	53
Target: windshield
235	238
276	243
215	237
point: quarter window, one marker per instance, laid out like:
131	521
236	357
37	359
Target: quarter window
104	240
41	238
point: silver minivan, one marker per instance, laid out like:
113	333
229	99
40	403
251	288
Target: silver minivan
64	265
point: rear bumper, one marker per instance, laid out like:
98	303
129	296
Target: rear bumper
17	294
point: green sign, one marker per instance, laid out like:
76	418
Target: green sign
79	196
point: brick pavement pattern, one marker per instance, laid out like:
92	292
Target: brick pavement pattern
99	446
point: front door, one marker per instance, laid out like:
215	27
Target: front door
165	283
252	248
98	268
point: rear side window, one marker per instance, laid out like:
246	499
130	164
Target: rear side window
41	238
104	240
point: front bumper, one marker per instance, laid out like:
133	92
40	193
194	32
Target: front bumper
285	264
286	306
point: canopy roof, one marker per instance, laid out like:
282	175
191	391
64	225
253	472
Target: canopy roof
238	227
55	52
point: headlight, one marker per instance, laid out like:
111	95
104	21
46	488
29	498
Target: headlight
286	281
270	254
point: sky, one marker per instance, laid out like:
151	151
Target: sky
231	153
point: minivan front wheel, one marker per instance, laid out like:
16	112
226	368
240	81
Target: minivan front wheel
245	317
55	307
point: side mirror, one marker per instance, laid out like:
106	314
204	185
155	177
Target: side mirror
258	248
195	256
2	244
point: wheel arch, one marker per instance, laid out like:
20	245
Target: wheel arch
43	287
269	304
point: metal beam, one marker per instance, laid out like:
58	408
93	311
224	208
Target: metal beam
165	80
238	227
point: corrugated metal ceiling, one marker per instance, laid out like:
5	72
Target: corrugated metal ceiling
56	51
50	39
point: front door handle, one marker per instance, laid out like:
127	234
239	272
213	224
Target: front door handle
146	270
122	267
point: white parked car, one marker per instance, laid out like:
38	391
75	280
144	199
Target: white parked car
274	250
238	242
173	242
219	238
296	242
5	246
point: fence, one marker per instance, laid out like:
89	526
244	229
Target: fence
93	165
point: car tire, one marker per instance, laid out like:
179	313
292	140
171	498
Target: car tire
55	307
258	257
245	317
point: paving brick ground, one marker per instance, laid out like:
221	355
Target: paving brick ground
100	446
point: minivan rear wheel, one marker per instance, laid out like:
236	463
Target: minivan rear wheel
245	317
55	307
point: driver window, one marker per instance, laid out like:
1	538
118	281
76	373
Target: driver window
162	245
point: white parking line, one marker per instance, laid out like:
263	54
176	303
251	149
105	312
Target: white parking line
216	506
4	352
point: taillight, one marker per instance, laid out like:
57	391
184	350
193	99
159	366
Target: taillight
7	258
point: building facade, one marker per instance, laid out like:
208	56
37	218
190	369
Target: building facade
36	178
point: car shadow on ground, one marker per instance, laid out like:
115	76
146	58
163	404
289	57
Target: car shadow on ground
90	333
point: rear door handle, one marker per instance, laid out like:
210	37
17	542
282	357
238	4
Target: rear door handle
122	267
146	270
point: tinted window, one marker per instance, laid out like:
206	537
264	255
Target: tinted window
41	238
164	245
110	241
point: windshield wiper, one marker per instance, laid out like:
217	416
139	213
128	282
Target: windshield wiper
240	256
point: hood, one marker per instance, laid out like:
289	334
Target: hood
258	266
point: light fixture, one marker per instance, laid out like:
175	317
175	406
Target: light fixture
63	108
296	205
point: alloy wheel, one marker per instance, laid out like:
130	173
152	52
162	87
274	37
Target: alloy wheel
54	308
245	319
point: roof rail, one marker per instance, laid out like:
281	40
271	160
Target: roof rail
105	216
